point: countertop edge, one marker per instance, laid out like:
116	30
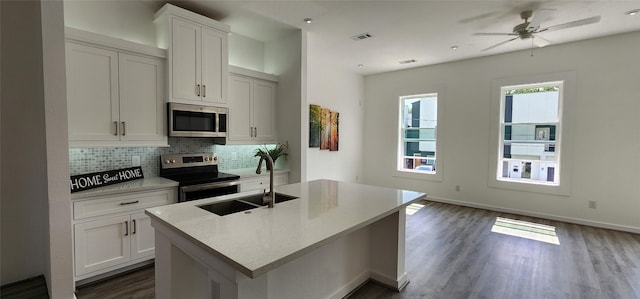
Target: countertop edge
235	265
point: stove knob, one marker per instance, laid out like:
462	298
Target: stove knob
167	161
215	158
206	158
173	161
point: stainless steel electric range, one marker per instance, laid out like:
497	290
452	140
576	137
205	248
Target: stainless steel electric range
197	175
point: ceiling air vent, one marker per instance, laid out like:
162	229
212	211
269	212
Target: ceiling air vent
361	36
407	61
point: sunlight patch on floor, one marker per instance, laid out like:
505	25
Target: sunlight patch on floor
525	229
413	208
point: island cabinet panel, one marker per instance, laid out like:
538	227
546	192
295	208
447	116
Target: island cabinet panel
115	95
252	107
198	56
112	232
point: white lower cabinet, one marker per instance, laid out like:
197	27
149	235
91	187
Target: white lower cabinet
262	182
101	244
111	232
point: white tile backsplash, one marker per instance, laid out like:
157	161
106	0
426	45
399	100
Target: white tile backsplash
88	160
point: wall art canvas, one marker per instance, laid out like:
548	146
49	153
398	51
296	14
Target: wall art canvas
326	129
323	128
315	125
333	135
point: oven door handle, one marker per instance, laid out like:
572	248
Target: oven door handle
200	187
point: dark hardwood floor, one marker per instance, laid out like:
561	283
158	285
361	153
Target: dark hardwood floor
453	253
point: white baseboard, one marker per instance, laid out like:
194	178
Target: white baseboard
606	225
390	282
351	286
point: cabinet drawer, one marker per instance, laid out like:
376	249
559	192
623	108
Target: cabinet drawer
121	203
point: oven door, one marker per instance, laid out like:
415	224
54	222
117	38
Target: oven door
194	192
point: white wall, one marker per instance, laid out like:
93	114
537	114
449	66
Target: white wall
246	52
284	58
343	92
606	137
59	253
129	20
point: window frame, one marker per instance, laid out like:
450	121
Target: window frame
563	146
399	96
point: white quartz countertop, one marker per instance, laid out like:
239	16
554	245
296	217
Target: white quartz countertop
144	184
266	238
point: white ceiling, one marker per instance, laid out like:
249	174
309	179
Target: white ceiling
421	30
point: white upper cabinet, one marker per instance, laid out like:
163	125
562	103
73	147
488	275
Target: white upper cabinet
197	56
115	92
92	93
252	103
142	104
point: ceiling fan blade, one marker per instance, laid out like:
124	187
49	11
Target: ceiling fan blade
493	33
586	21
541	41
499	44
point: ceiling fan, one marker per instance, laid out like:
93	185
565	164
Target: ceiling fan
530	28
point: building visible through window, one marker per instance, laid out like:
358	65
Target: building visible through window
418	129
530	126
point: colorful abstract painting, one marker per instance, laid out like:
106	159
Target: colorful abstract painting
315	125
323	128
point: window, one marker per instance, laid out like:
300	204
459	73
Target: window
529	126
418	133
532	122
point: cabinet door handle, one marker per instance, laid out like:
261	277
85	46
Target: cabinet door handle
250	131
198	89
124	129
204	91
115	124
126	228
134	227
129	203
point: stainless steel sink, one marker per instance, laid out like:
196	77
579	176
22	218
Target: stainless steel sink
258	199
242	204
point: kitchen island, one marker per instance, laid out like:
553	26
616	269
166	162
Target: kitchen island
324	244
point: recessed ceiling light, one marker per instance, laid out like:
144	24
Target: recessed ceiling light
633	12
360	65
308	20
454	48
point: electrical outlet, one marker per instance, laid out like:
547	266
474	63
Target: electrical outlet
457	187
592	204
135	161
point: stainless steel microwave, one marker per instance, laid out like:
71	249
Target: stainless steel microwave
197	120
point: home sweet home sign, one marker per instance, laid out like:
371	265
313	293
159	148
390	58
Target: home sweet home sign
105	178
